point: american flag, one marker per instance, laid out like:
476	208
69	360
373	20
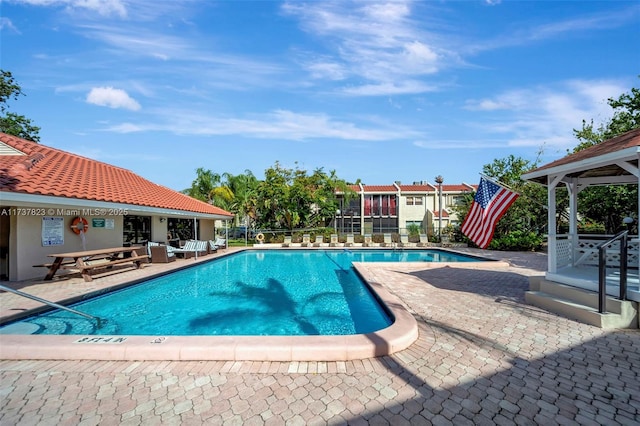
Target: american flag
490	203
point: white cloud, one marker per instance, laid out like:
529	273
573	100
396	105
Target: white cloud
526	34
278	125
112	98
375	44
389	88
546	114
6	24
103	7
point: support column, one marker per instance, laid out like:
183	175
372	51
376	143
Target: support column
572	188
552	256
552	261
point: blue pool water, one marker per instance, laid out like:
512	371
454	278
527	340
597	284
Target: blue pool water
270	292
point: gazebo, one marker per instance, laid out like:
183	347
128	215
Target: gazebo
604	264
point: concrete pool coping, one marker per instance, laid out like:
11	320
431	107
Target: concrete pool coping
398	336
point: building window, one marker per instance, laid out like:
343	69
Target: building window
181	229
414	201
380	205
137	229
459	200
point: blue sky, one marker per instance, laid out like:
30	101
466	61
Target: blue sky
381	91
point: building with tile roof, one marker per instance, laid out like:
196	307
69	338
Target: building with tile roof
37	182
393	208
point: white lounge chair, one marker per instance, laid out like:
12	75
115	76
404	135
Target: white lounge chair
287	241
218	244
350	241
334	240
319	241
424	240
191	248
388	241
306	240
368	241
404	240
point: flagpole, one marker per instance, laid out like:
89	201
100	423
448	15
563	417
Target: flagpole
492	180
482	175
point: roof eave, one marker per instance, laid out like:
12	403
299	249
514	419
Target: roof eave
539	175
20	199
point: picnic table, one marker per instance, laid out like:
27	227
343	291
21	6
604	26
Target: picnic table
89	260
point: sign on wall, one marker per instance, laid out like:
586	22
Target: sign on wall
97	223
52	231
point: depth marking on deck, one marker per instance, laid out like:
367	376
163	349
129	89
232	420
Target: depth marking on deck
102	339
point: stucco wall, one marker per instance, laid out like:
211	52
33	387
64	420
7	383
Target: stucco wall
207	230
27	249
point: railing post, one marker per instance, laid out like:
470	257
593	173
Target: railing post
602	279
602	270
623	267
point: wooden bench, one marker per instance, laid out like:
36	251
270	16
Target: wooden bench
89	260
87	267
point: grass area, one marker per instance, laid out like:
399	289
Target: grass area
240	243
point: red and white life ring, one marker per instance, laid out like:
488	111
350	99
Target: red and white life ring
79	224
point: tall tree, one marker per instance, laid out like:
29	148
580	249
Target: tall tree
12	123
292	198
243	188
203	185
528	213
608	205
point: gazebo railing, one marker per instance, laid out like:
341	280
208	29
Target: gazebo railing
585	252
621	239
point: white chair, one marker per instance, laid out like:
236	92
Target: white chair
350	240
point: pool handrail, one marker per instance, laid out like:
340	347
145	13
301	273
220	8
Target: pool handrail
49	303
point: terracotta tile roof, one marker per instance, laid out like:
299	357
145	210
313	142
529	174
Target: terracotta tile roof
380	188
373	189
48	171
459	188
417	188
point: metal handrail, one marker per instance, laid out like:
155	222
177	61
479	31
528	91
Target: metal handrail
52	304
602	270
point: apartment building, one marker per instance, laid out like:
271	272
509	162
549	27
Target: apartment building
394	208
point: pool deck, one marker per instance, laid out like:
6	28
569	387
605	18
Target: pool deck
482	356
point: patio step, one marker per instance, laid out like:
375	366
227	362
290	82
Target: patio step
581	305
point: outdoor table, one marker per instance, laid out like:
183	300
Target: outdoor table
82	260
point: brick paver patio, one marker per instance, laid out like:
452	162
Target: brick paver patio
483	357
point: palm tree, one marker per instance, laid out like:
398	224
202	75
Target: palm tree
242	187
203	185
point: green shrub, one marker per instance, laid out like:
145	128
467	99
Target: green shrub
413	230
517	241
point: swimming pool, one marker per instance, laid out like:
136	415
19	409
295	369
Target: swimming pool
255	292
398	255
249	293
401	334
